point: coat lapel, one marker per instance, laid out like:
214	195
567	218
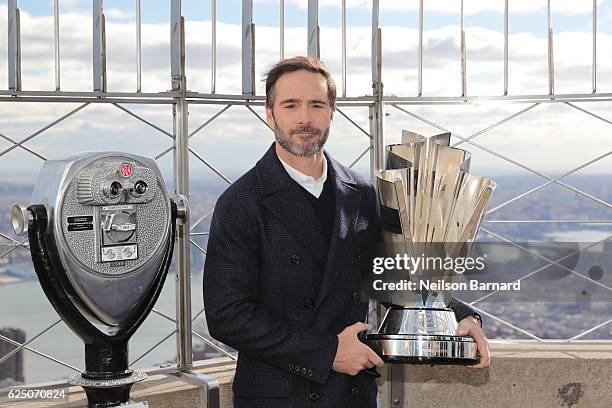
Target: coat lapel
295	212
283	198
348	202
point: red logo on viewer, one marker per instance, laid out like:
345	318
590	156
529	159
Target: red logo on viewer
126	170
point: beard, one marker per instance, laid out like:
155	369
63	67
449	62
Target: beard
304	149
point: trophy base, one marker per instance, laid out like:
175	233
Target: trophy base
424	349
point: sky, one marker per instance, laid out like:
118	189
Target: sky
551	138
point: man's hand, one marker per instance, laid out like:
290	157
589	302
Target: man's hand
352	355
469	326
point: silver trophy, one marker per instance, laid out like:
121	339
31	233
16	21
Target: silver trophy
431	207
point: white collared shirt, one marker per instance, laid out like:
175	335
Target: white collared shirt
314	187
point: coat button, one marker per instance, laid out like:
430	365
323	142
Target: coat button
354	391
313	396
309	303
359	253
296	259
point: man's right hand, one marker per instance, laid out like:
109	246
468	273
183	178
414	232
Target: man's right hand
352	355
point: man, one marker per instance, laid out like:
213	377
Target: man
281	278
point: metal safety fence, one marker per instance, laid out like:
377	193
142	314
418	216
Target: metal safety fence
180	98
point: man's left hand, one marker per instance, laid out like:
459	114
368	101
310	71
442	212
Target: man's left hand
469	326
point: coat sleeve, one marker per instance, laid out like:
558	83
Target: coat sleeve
462	310
233	313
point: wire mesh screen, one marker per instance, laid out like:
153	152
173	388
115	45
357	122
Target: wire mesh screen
517	85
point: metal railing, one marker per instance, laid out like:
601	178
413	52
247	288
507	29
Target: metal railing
180	98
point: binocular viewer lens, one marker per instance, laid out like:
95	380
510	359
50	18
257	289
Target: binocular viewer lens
115	189
140	187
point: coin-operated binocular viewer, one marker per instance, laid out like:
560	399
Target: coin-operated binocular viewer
101	228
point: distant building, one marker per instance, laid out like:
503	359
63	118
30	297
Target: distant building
203	351
13	367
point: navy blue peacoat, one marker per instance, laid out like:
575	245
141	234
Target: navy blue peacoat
275	293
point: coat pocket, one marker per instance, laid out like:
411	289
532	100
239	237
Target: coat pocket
256	379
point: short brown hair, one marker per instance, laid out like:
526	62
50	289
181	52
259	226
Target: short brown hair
295	64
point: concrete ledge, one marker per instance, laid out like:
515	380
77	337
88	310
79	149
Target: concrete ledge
159	390
576	375
521	375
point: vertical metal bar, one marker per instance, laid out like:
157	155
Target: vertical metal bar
376	154
395	375
375	38
397	385
253	58
210	387
138	48
343	47
375	117
56	42
213	50
183	284
551	61
420	75
12	44
18	59
376	121
104	76
378	59
97	45
248	49
379	137
282	29
373	168
463	57
375	309
181	183
313	28
594	67
14	55
506	47
175	44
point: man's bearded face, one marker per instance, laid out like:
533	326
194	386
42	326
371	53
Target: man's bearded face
303	140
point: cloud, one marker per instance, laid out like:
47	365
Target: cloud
238	127
453	6
119	14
